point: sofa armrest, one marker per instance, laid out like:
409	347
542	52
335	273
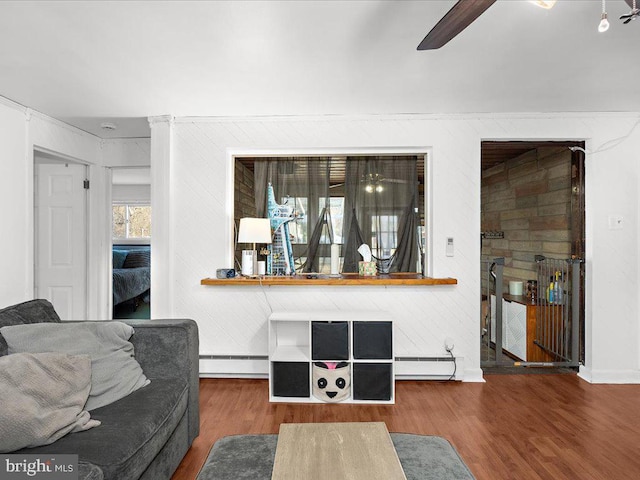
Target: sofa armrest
170	349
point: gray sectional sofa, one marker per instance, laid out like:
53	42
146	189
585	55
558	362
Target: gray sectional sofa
146	434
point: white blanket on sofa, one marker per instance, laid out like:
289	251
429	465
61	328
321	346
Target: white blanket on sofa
42	398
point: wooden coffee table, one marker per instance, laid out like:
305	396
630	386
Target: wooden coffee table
357	451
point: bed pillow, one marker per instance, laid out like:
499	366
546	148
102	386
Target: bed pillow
119	256
137	258
42	397
115	373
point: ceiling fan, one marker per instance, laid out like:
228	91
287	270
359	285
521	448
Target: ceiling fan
373	182
464	12
633	14
461	15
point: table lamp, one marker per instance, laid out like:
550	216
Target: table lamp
253	230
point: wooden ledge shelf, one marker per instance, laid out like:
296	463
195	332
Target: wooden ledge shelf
344	279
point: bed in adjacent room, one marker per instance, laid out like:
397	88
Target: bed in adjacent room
131	273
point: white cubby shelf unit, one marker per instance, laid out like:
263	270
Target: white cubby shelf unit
364	340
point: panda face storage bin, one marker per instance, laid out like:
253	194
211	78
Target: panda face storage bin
331	381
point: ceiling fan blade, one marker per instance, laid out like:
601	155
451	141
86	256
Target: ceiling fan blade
394	180
461	15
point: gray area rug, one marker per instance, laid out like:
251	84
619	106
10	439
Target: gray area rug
250	457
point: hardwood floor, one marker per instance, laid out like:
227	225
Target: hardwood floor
511	427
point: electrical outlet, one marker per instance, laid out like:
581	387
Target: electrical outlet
448	344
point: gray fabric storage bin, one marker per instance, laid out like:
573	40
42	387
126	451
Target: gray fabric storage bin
329	341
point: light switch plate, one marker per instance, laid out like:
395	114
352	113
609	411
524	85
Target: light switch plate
449	250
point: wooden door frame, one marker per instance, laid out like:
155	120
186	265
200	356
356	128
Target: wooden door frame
578	235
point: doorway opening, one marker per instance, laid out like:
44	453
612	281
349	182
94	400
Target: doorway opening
131	242
60	233
532	243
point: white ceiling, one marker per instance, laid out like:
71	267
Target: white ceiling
87	62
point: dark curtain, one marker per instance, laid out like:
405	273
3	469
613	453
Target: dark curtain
354	239
380	209
280	173
407	252
306	178
319	216
380	200
322	225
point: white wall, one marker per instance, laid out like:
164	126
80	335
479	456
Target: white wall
14	269
125	152
132	193
613	291
192	211
190	164
21	131
24	130
50	135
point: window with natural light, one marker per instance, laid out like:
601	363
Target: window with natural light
338	203
131	221
383	233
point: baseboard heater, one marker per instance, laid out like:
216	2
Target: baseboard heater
425	359
257	366
234	366
428	368
265	357
234	357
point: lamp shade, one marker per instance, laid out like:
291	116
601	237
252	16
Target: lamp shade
254	230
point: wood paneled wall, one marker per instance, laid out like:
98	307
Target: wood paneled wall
244	204
529	199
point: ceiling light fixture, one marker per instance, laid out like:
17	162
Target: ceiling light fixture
544	3
604	23
373	183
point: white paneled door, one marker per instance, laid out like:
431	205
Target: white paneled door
61	237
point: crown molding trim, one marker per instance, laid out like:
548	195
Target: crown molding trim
11	104
406	116
159	119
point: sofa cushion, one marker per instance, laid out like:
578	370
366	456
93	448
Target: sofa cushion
137	258
87	471
133	431
42	398
33	311
115	372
